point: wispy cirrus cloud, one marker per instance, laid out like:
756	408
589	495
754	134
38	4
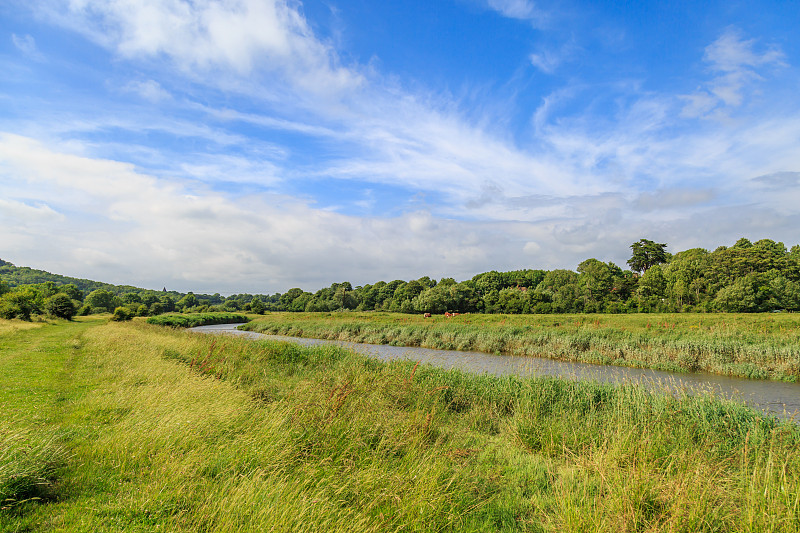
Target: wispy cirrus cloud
735	63
518	9
27	45
150	90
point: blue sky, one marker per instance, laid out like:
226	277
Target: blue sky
258	145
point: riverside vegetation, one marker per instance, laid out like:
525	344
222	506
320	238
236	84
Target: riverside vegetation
764	346
747	277
176	320
127	426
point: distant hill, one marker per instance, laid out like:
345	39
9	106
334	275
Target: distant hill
15	276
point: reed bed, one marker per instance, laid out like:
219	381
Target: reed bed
765	346
172	431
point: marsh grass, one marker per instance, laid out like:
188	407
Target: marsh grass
759	346
173	431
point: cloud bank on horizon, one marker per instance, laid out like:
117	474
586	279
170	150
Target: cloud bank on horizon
258	145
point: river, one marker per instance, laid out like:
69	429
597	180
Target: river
772	397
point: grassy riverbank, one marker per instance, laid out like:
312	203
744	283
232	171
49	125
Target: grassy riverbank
179	320
761	346
134	427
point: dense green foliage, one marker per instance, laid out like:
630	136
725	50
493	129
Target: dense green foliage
60	305
129	427
194	320
763	346
121	314
747	277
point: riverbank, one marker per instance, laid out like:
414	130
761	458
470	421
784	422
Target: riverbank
756	346
144	428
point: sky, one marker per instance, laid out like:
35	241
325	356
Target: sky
251	146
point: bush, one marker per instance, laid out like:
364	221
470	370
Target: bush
121	314
257	306
60	306
17	304
190	321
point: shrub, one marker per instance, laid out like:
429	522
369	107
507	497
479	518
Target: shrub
60	306
121	314
17	304
189	321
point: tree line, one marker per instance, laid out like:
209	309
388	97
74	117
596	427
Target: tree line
746	277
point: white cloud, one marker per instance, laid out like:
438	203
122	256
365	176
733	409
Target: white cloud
150	90
237	36
735	62
517	9
578	188
546	61
732	52
27	45
38	213
549	59
128	227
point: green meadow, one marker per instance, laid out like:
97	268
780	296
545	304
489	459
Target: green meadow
128	426
761	346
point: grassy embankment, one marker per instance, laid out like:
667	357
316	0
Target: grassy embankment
762	346
179	320
132	427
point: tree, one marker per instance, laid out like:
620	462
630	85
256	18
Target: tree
101	300
60	306
488	282
651	288
344	298
290	296
20	303
72	291
257	306
646	254
595	282
131	298
167	303
190	300
560	288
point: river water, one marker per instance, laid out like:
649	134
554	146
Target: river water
771	397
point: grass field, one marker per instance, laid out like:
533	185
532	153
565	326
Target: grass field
135	427
761	346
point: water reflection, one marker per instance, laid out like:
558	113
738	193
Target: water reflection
772	397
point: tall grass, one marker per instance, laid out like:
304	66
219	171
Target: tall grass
752	346
180	432
29	461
